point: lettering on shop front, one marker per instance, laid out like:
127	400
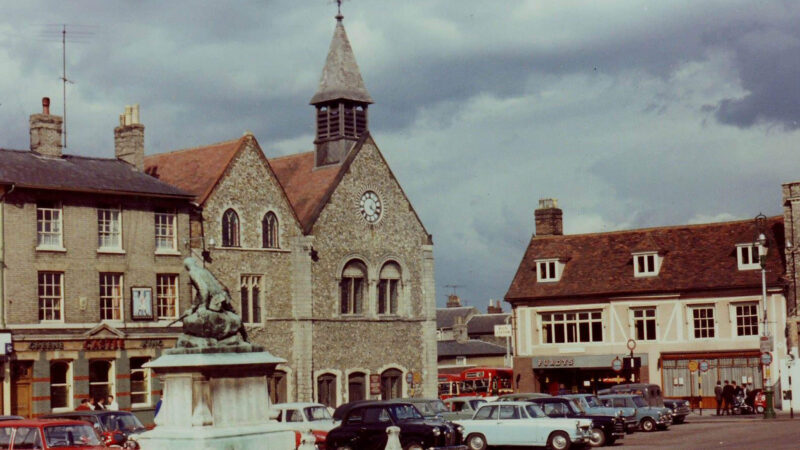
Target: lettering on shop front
46	346
104	344
564	362
152	343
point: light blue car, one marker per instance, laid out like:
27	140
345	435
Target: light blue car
593	405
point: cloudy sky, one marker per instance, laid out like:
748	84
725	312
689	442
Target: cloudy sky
631	113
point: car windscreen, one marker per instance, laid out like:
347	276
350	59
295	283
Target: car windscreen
317	413
592	401
534	411
639	402
576	406
121	422
405	412
476	403
70	436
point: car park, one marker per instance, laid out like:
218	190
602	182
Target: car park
680	409
606	429
648	417
520	423
651	393
462	407
46	434
593	405
114	427
364	427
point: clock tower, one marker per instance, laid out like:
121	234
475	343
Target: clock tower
341	102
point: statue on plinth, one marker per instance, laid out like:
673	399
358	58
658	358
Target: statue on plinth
211	322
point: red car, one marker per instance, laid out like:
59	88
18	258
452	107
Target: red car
45	434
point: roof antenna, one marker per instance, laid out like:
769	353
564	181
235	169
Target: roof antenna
454	287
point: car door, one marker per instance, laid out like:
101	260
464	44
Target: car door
484	422
373	432
512	430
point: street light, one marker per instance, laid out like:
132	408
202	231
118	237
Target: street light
761	244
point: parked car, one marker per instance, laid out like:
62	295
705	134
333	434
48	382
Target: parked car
648	417
4	418
430	408
45	434
462	407
521	396
651	393
304	416
606	429
115	427
364	427
520	423
593	405
680	409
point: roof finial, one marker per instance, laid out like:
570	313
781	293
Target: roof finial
339	15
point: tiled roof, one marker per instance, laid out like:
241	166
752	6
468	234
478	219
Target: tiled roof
471	347
446	317
484	323
305	186
195	170
26	169
341	78
695	257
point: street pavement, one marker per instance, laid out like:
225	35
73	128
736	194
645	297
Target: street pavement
712	431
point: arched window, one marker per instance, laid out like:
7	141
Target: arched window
230	229
389	288
356	387
352	286
269	230
277	387
60	385
326	389
391	384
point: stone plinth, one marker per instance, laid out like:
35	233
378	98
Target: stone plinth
215	399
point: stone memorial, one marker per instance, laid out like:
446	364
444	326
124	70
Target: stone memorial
215	382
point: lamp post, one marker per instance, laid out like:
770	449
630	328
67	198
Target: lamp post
761	243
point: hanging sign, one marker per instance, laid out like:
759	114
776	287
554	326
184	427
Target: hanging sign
616	364
766	358
693	366
704	365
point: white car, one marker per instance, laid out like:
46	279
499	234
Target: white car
523	424
303	416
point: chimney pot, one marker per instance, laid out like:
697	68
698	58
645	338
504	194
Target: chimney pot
46	131
549	218
129	138
46	106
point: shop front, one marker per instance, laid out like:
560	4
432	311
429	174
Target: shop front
53	372
585	373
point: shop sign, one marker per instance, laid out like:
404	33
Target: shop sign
374	384
502	330
152	343
558	362
704	365
765	343
44	346
616	364
693	366
104	344
409	378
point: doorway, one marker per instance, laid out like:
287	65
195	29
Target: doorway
21	387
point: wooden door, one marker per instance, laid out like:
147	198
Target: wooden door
21	387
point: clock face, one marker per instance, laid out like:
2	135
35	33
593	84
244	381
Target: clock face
370	206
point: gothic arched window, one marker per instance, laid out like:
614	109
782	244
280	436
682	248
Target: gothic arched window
230	229
269	230
353	285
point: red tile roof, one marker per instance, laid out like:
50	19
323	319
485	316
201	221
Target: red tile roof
307	188
195	170
695	257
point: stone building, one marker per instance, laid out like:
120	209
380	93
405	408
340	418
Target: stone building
329	263
92	272
465	337
679	293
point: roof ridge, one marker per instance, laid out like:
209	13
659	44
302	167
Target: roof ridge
63	155
199	147
648	229
290	155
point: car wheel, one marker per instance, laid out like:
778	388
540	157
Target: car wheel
760	409
558	440
678	419
648	424
476	441
598	438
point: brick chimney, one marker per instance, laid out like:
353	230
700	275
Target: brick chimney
460	330
494	308
549	220
46	131
453	301
129	138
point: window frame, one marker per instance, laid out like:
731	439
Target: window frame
112	376
745	261
644	319
164	232
270	231
693	322
550	320
644	270
109	226
68	385
164	295
120	298
53	208
44	297
251	311
354	290
548	270
735	326
147	379
389	290
231	229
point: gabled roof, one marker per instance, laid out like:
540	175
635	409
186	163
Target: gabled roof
27	169
470	347
305	186
695	257
484	323
195	170
446	317
341	78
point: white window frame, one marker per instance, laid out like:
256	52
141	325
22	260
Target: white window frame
59	298
248	282
69	385
461	360
644	319
166	231
112	376
691	319
389	283
147	381
553	321
642	265
161	294
735	319
117	294
51	218
548	270
747	257
109	230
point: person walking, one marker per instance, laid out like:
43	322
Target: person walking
110	404
718	395
727	398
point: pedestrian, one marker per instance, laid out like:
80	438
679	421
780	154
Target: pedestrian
718	395
110	404
98	404
737	390
727	398
84	406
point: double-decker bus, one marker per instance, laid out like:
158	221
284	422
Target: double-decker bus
486	381
449	385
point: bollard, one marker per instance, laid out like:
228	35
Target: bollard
307	441
393	441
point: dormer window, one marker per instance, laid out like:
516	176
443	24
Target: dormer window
747	256
646	264
548	270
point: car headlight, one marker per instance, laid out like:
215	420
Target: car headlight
437	431
619	413
460	429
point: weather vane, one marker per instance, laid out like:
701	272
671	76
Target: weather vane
338	7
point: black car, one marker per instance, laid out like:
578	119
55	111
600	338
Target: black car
113	426
680	409
605	429
364	427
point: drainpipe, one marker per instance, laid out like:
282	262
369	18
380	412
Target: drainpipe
3	258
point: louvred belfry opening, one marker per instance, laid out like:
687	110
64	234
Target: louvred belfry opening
341	102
